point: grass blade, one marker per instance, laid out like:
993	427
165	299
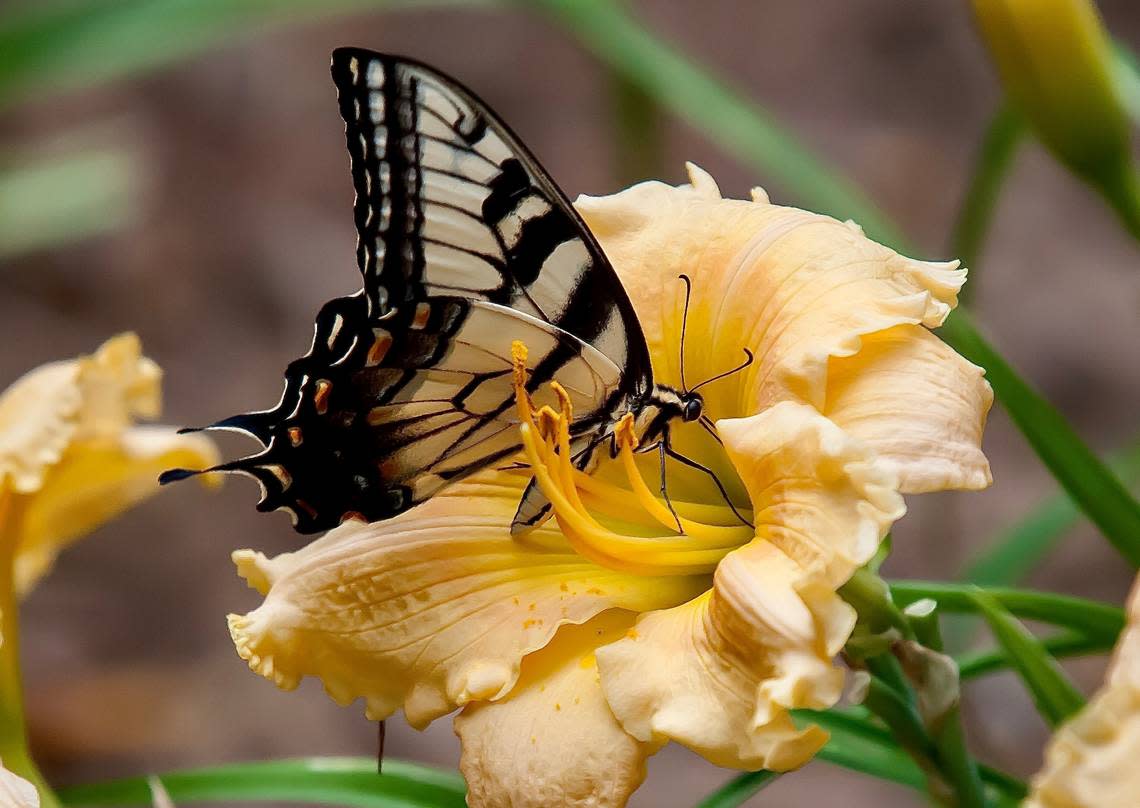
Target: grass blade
65	199
1004	134
351	782
860	745
1089	482
1064	644
1055	696
1090	618
722	113
49	46
738	790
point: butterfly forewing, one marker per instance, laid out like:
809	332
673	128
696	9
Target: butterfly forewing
448	201
465	245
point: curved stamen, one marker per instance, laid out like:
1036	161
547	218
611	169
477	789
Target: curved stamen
546	442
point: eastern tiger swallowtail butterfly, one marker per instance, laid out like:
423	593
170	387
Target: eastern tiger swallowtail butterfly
465	244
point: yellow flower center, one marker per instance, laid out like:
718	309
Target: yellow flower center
707	533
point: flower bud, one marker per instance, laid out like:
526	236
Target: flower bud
1056	64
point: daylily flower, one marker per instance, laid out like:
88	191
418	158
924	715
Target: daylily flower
71	458
1058	68
1091	760
580	648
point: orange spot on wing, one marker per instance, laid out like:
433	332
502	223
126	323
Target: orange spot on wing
306	507
321	396
423	312
295	435
380	347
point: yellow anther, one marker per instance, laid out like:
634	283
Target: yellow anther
549	423
625	433
563	402
518	358
545	434
519	374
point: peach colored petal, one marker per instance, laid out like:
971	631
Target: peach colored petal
821	496
1091	760
918	404
794	287
720	673
94	481
553	739
92	397
432	609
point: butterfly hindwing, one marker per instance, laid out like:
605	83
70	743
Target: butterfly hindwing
379	415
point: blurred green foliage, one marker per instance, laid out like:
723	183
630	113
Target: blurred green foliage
50	202
350	782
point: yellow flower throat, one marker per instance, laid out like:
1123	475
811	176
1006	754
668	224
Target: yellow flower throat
574	495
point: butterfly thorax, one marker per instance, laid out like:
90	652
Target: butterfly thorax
662	405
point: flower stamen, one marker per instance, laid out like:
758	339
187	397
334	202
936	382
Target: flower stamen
546	441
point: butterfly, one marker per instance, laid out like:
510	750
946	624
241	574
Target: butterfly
465	245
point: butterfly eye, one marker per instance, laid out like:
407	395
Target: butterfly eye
692	409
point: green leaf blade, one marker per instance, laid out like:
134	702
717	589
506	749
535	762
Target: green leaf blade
1088	617
1055	696
351	782
739	789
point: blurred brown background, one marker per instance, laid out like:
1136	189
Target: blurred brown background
243	228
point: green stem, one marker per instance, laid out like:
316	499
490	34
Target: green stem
739	789
1091	618
899	714
1122	191
995	156
1062	645
958	766
870	596
14	753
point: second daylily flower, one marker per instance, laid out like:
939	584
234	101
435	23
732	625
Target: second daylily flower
579	649
71	458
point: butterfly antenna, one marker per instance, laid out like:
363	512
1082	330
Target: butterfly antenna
684	326
727	373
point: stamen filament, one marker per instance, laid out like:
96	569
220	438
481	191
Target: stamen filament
546	441
710	535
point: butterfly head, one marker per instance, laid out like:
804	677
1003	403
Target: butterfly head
692	406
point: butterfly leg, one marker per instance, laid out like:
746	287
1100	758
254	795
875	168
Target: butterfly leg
663	451
673	453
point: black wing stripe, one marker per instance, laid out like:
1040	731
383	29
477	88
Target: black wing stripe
443	147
